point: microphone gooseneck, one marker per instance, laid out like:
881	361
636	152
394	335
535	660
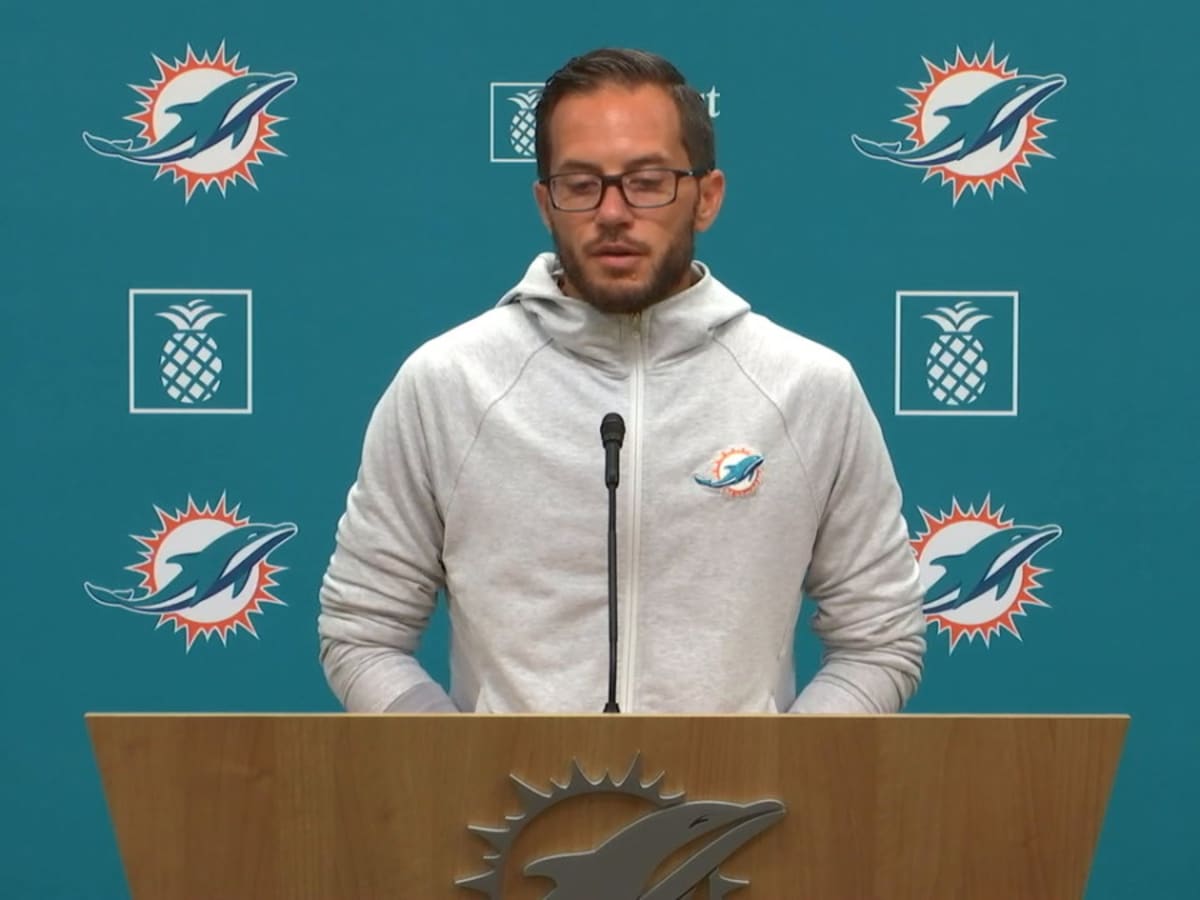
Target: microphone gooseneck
612	435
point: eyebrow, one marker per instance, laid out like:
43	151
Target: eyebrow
579	165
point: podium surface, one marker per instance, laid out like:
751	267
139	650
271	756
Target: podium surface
514	806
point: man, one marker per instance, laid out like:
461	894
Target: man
752	468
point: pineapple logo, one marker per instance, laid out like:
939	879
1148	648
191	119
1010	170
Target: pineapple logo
191	368
514	132
189	351
956	367
522	129
956	353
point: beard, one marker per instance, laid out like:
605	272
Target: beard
667	272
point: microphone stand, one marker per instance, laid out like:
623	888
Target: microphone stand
611	706
612	435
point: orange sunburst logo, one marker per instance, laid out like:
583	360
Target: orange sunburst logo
203	120
203	570
977	572
973	123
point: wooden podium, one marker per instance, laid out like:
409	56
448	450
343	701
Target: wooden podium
342	807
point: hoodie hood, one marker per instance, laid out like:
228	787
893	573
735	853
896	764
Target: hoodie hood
670	329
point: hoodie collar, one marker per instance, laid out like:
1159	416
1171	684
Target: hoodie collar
666	331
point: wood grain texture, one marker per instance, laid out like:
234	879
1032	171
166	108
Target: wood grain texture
347	806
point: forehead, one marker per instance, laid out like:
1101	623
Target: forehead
614	124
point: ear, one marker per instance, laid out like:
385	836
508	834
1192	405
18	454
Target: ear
712	194
541	196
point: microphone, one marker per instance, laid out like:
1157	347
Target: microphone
612	435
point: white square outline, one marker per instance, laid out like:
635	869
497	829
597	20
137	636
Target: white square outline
1016	299
492	85
228	411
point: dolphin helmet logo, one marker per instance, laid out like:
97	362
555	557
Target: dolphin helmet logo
974	123
205	570
624	864
977	570
204	120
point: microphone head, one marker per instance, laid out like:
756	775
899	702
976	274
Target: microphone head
612	429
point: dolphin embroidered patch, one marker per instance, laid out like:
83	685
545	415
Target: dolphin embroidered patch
735	471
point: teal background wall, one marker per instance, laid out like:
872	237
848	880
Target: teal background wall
386	223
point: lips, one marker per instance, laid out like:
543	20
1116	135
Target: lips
615	250
616	257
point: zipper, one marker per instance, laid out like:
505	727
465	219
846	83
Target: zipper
633	528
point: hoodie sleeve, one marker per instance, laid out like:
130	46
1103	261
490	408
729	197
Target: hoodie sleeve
863	578
381	585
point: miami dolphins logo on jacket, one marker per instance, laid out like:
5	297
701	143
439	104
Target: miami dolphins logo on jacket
735	472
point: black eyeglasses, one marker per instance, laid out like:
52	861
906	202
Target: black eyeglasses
641	188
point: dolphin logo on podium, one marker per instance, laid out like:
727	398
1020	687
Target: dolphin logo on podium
621	866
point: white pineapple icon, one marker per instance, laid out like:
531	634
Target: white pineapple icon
522	130
955	368
189	365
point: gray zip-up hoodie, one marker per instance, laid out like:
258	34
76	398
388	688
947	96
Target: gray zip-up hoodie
483	469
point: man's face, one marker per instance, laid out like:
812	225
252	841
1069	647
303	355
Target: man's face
619	258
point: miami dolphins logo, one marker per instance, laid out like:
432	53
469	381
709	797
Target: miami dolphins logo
977	570
204	121
205	571
735	472
974	123
628	863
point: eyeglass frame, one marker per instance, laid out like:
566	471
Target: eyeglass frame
618	181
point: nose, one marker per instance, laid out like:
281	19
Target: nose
613	208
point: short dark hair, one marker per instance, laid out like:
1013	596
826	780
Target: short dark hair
631	68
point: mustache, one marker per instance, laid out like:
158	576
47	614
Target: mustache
606	239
